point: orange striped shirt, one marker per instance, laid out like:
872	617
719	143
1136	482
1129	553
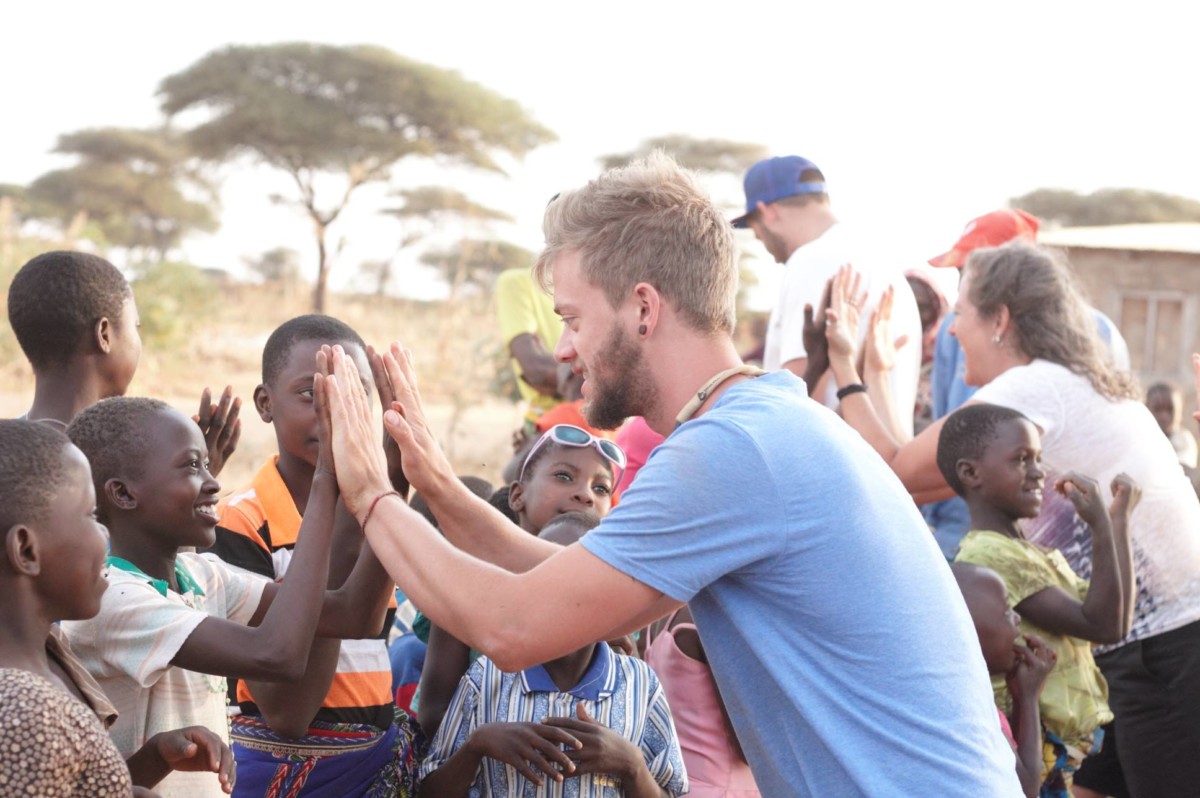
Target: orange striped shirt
258	530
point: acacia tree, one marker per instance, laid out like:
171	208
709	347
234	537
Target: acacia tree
713	155
476	262
279	266
423	212
348	112
140	189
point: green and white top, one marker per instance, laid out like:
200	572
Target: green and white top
1074	701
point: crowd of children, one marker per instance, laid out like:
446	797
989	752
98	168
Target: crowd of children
162	635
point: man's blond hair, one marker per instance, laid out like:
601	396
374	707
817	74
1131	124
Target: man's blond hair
648	222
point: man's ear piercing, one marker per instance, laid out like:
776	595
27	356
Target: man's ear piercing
641	329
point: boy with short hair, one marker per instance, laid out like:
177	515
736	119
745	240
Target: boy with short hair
260	524
595	720
174	624
76	320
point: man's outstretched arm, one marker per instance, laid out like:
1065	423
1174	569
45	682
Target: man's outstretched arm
570	598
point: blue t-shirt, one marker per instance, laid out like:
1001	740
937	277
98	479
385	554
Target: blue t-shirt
835	630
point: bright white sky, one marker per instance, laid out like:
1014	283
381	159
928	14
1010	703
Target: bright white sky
921	114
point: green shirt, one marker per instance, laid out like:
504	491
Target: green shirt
1074	701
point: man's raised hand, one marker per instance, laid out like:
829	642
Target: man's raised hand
387	396
425	465
359	460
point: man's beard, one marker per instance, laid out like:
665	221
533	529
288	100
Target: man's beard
622	391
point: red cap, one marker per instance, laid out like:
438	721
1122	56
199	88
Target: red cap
990	230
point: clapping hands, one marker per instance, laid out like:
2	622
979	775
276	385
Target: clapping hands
1035	660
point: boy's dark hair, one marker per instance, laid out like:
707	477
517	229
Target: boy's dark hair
499	500
32	469
113	435
567	528
310	327
966	435
55	300
1165	388
477	485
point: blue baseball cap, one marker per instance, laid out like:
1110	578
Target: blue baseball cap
775	178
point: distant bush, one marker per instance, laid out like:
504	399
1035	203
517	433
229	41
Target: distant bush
174	301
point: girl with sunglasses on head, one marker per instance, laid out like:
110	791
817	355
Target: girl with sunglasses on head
567	469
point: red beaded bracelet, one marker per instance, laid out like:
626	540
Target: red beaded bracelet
371	509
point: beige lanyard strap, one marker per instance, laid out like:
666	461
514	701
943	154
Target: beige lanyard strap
706	390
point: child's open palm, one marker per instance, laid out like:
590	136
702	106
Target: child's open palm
324	422
221	427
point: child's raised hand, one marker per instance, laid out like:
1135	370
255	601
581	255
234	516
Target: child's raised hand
534	749
196	749
1084	493
1035	660
1126	495
602	750
221	427
846	300
816	348
321	406
387	395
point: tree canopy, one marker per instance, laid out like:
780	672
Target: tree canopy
423	211
1107	206
712	155
437	203
351	111
477	261
138	187
278	265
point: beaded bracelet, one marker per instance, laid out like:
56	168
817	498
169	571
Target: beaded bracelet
854	387
371	509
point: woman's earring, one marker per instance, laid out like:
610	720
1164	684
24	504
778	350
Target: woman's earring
996	339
